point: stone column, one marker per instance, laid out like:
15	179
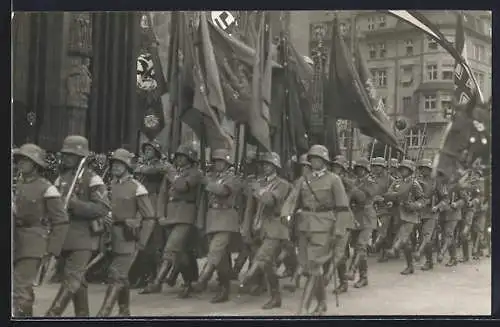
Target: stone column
78	79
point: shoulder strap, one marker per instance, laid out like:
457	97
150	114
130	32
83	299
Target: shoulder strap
312	191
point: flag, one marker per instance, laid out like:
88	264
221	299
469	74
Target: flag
151	84
463	71
347	95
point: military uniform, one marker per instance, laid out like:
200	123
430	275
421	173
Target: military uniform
40	226
384	213
365	221
464	226
88	205
435	201
262	219
178	203
324	219
222	222
150	174
406	194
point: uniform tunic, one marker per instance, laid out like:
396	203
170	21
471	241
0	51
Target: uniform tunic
264	220
90	203
384	213
435	195
133	222
40	227
324	217
450	218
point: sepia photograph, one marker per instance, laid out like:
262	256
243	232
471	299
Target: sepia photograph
251	163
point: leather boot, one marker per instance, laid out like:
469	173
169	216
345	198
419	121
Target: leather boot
429	264
307	295
363	273
392	253
383	256
418	254
60	302
274	289
320	293
250	274
81	302
124	302
206	275
442	251
155	286
239	262
292	287
465	251
343	283
109	301
224	287
409	261
453	256
353	267
172	277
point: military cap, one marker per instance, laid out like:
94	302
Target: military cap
154	144
427	163
32	152
363	162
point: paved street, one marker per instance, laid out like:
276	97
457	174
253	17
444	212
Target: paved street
463	290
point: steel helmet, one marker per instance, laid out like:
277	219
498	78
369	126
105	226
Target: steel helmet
303	160
188	151
77	145
407	164
427	163
341	161
379	161
363	162
394	163
222	154
320	151
123	156
32	152
272	158
154	144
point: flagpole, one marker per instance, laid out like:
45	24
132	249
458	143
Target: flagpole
350	148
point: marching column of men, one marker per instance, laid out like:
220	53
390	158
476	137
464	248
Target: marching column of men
309	226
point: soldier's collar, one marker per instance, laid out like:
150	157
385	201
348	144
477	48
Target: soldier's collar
319	173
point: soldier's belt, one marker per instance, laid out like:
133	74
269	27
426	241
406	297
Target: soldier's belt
172	200
220	206
23	224
318	209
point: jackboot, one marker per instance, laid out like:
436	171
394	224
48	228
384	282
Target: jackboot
292	287
81	302
363	273
155	286
392	252
274	289
453	256
353	267
383	256
442	251
239	262
343	283
206	275
429	263
224	288
124	302
60	302
249	276
109	300
465	251
307	295
409	261
320	294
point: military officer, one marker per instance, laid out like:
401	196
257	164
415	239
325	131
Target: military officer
40	225
384	180
435	202
449	220
132	223
269	192
87	206
324	218
150	173
406	194
180	200
222	221
365	219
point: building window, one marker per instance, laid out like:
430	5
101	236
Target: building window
430	102
451	39
382	51
407	104
447	71
379	77
372	51
480	80
415	138
371	23
446	104
478	53
407	75
432	72
409	47
381	21
431	44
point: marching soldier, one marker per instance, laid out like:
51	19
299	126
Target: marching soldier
268	193
222	221
365	220
394	168
449	221
324	218
468	212
406	195
40	225
129	231
87	206
435	201
480	216
180	200
384	180
150	173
